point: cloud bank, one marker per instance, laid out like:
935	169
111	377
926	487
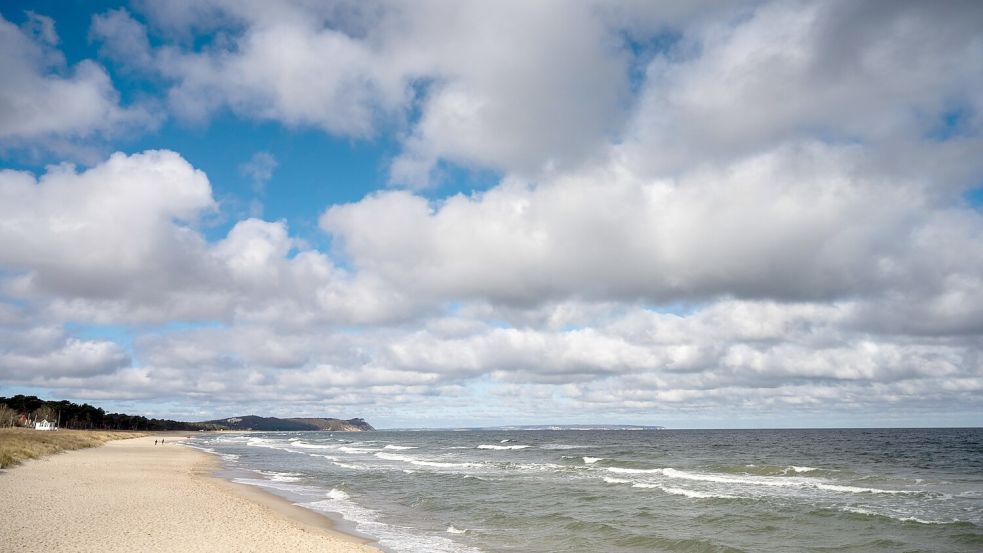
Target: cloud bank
758	210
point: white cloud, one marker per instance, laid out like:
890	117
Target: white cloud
44	102
550	89
119	242
117	229
806	222
790	70
37	353
259	169
781	183
534	88
758	357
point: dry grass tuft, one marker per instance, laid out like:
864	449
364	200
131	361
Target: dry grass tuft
19	444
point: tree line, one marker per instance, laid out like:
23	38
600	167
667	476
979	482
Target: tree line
22	408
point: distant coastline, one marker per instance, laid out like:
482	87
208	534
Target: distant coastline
535	427
274	424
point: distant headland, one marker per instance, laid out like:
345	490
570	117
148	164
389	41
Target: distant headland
253	422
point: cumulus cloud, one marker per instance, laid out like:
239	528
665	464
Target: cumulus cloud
550	89
702	210
38	353
789	70
533	88
119	242
46	102
798	223
113	230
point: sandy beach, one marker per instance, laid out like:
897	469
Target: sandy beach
131	495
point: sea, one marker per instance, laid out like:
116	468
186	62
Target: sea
552	491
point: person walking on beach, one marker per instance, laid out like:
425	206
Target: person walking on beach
155	442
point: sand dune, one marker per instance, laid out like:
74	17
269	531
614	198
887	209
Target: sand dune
131	495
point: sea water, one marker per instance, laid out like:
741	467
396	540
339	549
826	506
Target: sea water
629	491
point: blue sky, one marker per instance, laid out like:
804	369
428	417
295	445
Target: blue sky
763	214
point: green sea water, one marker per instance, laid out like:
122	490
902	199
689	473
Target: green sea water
630	491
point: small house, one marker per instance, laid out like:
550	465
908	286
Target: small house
44	425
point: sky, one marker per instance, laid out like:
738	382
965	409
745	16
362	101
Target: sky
441	214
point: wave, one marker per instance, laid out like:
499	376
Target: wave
388	536
421	462
899	518
592	460
395	457
281	476
349	466
305	445
399	447
502	447
610	480
768	470
328	457
335	493
757	481
855	489
562	446
443	464
692	494
226	456
347	449
774	482
452	530
620	470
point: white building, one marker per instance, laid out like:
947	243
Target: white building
44	425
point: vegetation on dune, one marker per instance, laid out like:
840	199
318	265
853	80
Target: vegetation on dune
20	444
81	417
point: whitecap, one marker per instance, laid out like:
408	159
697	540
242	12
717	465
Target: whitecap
328	457
693	494
305	445
395	457
420	462
389	537
862	511
452	530
619	470
444	465
855	489
502	447
347	449
335	493
773	482
592	460
610	480
399	447
281	476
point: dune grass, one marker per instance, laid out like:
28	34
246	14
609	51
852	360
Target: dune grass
20	444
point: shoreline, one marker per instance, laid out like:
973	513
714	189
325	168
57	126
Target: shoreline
132	495
314	520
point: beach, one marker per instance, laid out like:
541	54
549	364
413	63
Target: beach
133	495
